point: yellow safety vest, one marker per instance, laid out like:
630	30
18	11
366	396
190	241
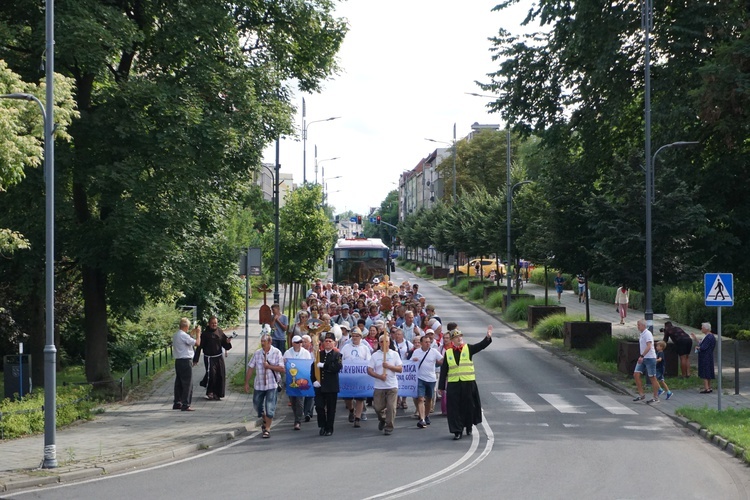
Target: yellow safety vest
463	372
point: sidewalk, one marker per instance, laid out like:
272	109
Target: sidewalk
133	434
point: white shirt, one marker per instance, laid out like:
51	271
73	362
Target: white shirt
183	345
409	331
376	363
266	379
643	341
359	352
427	367
404	348
302	354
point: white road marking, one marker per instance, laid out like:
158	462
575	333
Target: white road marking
611	405
430	481
561	404
571	426
514	401
643	427
527	424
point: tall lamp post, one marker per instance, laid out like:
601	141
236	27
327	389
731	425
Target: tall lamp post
510	210
650	164
323	174
305	126
50	352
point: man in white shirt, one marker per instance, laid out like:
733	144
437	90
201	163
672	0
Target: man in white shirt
183	344
426	379
359	351
293	354
646	363
383	367
409	327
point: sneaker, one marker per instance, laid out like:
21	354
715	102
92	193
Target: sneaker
387	432
381	425
421	424
669	394
363	417
427	420
653	400
639	398
661	391
351	415
356	422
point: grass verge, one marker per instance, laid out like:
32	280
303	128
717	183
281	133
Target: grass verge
731	424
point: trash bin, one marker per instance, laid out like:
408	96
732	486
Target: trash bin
17	369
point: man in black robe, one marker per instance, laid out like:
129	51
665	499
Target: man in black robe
325	375
213	340
463	403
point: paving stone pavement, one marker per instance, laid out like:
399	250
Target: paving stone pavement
133	434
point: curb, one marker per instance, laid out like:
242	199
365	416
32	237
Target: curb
601	379
90	471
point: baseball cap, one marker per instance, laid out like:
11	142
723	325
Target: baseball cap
455	333
345	306
296	339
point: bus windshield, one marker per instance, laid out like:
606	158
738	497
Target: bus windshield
360	261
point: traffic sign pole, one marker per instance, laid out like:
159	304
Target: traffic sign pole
719	291
718	332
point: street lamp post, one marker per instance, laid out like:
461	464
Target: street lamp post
305	126
50	352
510	209
323	174
650	164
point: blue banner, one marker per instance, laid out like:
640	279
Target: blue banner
354	382
298	380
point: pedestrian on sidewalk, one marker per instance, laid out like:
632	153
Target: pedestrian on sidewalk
705	351
581	287
683	344
212	341
457	378
646	363
325	376
183	343
383	367
559	282
660	368
269	363
622	299
295	354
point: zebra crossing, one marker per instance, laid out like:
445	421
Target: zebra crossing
510	401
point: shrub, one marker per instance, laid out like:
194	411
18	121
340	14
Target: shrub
604	351
133	339
495	300
518	309
687	306
743	335
553	327
26	416
463	285
476	293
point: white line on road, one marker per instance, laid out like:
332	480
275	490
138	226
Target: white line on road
430	481
611	405
644	427
561	404
514	401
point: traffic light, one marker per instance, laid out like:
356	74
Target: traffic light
377	221
359	219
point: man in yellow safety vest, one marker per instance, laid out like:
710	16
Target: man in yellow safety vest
458	380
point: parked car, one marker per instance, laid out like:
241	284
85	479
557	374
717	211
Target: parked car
486	265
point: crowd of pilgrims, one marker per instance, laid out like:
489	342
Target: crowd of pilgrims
405	315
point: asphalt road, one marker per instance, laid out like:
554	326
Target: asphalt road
548	432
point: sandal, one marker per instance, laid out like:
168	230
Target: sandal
266	434
704	391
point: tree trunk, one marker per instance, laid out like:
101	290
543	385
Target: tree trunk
95	326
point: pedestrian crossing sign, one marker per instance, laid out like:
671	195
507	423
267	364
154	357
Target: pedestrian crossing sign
719	289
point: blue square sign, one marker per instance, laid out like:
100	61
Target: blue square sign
719	289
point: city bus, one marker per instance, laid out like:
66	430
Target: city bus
360	260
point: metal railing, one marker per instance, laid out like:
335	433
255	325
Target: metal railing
132	377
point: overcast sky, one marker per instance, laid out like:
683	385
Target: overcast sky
405	68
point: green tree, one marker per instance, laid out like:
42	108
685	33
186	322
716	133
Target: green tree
306	236
176	106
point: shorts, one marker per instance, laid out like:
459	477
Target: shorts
264	402
684	346
425	389
559	288
660	375
648	367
